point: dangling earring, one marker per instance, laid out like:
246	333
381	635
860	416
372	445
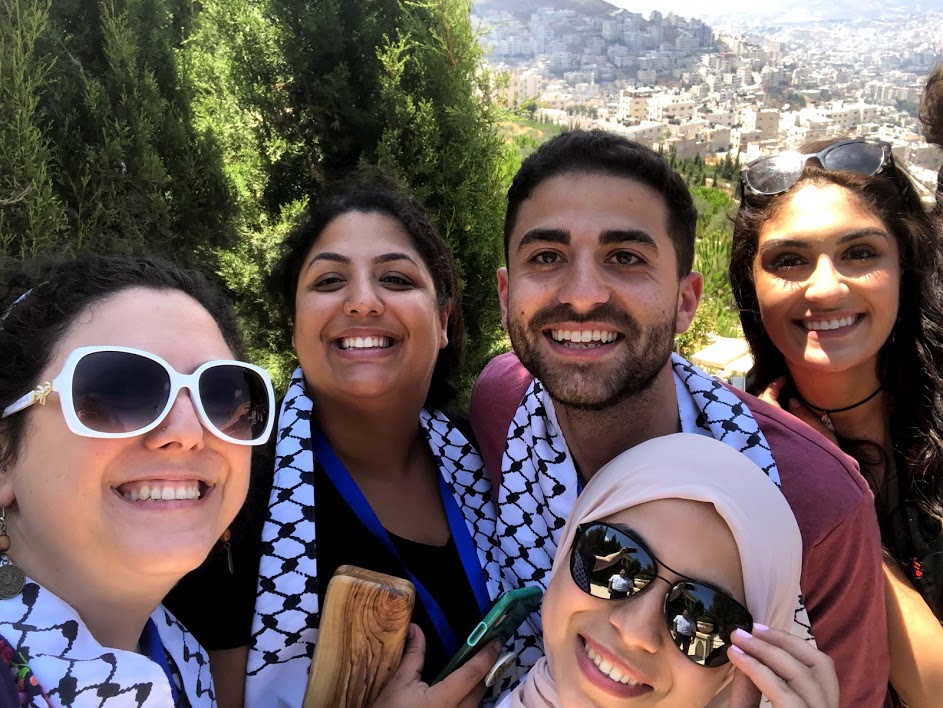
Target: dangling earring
12	577
228	548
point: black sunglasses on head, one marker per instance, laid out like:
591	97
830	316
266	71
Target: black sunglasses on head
775	174
601	550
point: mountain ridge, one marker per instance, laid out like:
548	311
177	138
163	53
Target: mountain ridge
523	8
795	12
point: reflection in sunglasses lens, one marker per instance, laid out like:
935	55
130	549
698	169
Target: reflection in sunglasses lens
604	552
775	174
699	617
865	158
703	634
235	401
118	392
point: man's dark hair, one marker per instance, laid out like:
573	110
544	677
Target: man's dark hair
603	153
931	117
931	107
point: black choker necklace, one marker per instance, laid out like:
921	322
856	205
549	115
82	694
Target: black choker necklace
825	413
829	411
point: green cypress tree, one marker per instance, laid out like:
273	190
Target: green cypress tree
126	166
226	91
31	214
441	137
335	84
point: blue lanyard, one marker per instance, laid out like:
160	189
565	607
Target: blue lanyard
467	553
153	649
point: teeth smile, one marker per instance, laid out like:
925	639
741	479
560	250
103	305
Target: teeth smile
829	324
365	343
583	339
607	668
161	491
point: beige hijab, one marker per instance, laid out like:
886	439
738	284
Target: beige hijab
698	468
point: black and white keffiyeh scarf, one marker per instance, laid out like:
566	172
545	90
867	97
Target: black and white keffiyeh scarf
76	671
285	625
539	486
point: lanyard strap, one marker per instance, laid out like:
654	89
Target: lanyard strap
153	649
467	553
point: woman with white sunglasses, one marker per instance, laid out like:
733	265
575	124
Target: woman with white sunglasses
836	271
124	449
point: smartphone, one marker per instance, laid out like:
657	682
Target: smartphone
508	613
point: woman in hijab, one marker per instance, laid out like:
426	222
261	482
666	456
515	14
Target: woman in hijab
698	528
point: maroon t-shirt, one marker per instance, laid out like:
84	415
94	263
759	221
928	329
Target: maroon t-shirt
841	546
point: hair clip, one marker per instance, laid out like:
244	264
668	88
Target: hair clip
14	304
20	299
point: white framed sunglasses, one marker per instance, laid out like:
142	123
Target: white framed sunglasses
119	392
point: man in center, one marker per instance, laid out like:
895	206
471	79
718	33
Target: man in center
599	242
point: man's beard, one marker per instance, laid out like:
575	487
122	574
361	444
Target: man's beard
595	386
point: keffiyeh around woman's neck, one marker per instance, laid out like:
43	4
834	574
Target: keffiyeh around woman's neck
695	468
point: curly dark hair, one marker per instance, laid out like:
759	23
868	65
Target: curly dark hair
931	107
931	117
373	191
41	299
911	361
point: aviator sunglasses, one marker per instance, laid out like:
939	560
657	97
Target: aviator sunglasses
777	173
117	392
601	550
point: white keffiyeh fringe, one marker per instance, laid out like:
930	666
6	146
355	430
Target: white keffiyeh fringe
75	670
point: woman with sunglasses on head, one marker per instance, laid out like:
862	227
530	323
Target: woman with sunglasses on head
124	449
697	527
835	267
365	464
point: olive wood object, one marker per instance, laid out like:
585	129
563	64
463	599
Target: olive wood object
361	638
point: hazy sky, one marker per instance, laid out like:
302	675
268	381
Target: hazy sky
685	8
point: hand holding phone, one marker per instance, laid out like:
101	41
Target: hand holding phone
461	689
508	613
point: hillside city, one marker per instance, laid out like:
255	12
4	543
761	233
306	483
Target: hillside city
678	84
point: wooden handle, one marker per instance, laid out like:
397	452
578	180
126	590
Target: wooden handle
360	644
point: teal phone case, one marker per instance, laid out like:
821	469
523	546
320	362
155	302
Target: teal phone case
508	613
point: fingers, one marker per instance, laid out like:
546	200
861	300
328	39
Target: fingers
788	670
473	699
454	690
414	656
743	694
405	688
770	394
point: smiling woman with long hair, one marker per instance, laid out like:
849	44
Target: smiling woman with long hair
835	268
368	471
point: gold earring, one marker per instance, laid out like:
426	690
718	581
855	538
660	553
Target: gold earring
12	577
